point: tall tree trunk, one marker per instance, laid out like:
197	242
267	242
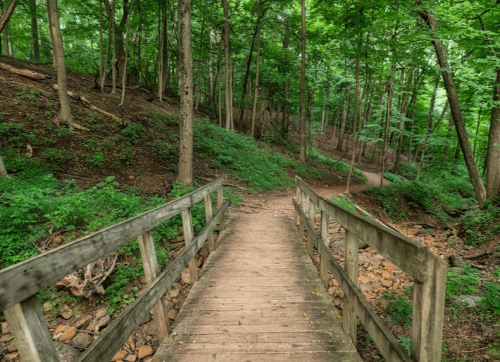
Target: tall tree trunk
247	74
124	75
227	64
356	105
161	67
404	111
101	45
324	117
34	31
4	19
198	78
3	171
387	126
57	48
113	65
343	120
302	157
256	93
427	128
165	61
493	153
186	94
456	111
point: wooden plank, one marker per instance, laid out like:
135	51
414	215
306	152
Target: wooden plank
305	222
324	230
115	335
29	277
297	197
187	226
261	357
151	270
388	345
208	216
407	254
220	201
428	312
30	332
312	239
350	319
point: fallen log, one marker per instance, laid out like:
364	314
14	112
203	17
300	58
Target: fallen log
24	72
87	104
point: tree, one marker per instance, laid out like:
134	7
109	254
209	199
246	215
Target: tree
4	19
186	94
303	86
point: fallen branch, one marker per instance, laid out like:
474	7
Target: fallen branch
477	256
386	224
86	103
24	72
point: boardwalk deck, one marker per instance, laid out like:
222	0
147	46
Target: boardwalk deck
259	298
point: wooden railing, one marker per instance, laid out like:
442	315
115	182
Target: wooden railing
427	269
20	283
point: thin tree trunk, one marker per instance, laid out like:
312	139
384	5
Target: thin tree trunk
186	94
429	124
456	111
493	153
113	65
4	19
124	75
247	74
227	64
3	171
477	129
161	67
101	51
343	120
302	157
34	31
256	92
404	111
387	126
200	48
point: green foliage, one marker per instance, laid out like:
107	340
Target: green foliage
56	156
98	160
56	299
240	156
406	343
483	223
462	284
358	176
126	272
491	299
399	307
134	133
345	203
391	177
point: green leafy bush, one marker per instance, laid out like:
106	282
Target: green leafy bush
399	307
491	299
481	224
462	284
358	176
391	177
134	133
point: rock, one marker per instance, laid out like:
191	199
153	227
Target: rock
83	321
66	312
47	307
364	288
119	355
386	274
469	300
11	356
5	328
387	283
185	276
131	358
455	270
388	266
58	240
340	244
180	231
204	251
145	351
174	291
11	347
82	340
6	338
199	261
331	290
67	353
384	303
101	319
364	279
64	333
172	313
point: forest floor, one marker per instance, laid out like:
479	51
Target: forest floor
77	323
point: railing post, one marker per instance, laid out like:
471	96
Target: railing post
312	221
428	312
295	215
220	201
208	217
32	337
151	271
303	204
323	268
187	225
351	268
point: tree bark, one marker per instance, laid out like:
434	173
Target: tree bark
186	94
493	153
387	126
4	19
227	64
302	156
343	120
34	32
124	73
404	111
256	93
456	111
3	171
161	67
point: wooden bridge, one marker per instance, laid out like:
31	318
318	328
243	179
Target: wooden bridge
258	296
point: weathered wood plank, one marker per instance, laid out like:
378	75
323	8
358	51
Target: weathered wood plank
187	227
115	335
407	254
428	312
151	270
388	345
29	277
350	319
30	332
220	201
208	216
313	234
323	270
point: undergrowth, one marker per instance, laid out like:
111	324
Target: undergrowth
357	175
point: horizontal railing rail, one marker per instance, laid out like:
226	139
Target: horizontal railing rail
20	283
427	269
